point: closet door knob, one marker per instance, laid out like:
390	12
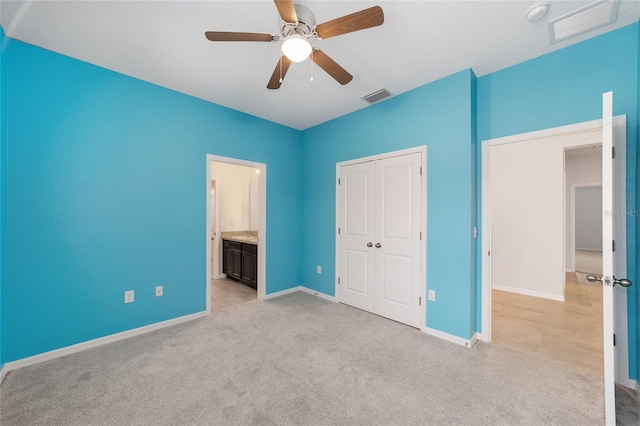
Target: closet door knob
369	244
378	245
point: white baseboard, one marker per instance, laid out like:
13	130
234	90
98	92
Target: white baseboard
627	383
526	292
480	337
637	388
299	288
89	344
281	293
467	343
3	372
317	293
588	249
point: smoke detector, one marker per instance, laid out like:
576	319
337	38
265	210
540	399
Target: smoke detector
537	11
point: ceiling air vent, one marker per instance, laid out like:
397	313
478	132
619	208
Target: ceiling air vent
376	96
585	19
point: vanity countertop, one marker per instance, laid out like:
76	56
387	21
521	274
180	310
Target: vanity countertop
240	237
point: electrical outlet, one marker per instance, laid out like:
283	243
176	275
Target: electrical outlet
128	296
159	291
431	295
319	269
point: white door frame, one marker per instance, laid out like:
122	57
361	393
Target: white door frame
423	258
262	225
619	122
572	221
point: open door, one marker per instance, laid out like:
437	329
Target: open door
608	278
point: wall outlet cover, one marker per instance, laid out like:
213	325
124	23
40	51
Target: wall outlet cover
159	290
128	296
431	295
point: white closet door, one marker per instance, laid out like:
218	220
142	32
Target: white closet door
398	212
357	228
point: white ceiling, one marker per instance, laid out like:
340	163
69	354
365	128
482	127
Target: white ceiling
163	42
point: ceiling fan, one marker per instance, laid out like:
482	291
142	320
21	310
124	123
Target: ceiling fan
297	26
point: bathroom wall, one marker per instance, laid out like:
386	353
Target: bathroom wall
233	188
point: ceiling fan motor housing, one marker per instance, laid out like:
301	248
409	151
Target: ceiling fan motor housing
306	22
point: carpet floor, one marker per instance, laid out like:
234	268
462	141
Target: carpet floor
301	360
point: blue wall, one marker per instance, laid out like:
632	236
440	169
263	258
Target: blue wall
108	193
438	115
566	87
637	283
3	186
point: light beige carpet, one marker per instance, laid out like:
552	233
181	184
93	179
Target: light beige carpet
300	360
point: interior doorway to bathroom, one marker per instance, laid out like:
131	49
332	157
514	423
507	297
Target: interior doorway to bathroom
236	231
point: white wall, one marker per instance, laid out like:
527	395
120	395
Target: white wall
233	195
582	166
527	214
588	222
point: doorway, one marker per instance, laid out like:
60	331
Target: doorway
539	228
236	231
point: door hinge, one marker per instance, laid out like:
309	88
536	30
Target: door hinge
420	170
420	235
338	280
614	340
613	245
489	253
420	301
338	181
338	231
613	152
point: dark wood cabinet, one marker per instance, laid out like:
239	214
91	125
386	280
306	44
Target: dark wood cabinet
240	262
250	264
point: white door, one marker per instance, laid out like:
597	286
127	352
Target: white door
380	230
397	238
357	198
608	259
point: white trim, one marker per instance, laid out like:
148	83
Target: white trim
627	383
467	343
423	258
637	388
3	373
262	227
90	344
302	289
319	294
281	293
619	122
527	292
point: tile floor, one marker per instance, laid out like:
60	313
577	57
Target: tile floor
226	292
589	262
569	332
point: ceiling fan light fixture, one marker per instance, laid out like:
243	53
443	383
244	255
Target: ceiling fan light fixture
296	47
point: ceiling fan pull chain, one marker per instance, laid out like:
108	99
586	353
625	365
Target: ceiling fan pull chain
280	69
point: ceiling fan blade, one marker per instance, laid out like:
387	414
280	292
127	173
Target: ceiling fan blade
366	18
287	11
229	36
278	74
331	67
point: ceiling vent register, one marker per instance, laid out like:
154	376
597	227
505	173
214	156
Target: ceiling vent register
377	96
590	17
